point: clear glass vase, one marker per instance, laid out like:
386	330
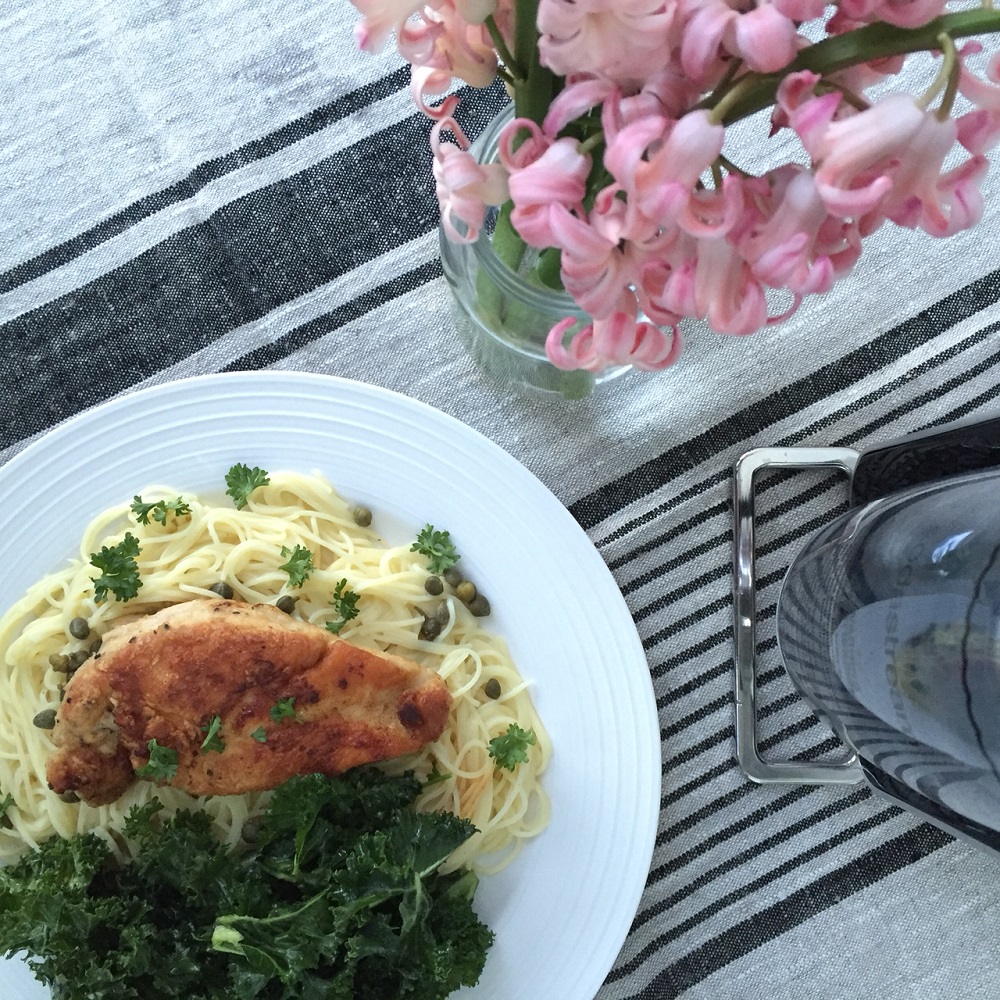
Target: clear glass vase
503	316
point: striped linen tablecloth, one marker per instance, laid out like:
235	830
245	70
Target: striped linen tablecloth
199	186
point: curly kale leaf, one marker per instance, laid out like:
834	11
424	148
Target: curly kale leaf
339	897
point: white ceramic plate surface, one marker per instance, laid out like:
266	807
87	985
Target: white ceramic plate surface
562	909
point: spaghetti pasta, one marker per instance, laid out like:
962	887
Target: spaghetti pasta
180	560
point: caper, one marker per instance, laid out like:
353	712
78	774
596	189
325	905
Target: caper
60	662
479	606
362	516
442	613
286	603
433	585
430	629
492	688
78	658
45	719
251	830
452	576
465	591
70	797
223	590
94	646
79	629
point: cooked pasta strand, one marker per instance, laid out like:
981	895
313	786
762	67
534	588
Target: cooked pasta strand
214	543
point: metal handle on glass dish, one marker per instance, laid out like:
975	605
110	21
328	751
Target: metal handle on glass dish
745	618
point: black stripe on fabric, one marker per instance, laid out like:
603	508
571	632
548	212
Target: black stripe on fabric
690	586
300	336
828	890
885	349
724	701
211	170
827	419
779	871
727	833
712	673
759	847
957	412
767	611
735	794
251	256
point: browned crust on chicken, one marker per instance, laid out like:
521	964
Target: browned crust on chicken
167	676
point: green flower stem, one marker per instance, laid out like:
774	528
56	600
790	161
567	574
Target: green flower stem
954	68
757	91
507	244
513	66
536	87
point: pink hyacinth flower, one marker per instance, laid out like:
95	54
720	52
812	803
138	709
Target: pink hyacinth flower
765	38
978	130
545	190
901	13
620	40
464	186
854	155
658	162
379	19
618	340
727	293
593	269
703	37
782	252
923	196
440	38
801	10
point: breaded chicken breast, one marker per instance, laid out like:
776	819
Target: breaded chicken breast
169	675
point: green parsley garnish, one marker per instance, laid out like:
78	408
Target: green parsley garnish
345	602
162	764
299	566
213	741
511	749
5	803
285	709
436	545
242	481
119	570
259	734
436	776
158	510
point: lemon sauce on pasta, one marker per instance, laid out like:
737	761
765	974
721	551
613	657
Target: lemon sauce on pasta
181	560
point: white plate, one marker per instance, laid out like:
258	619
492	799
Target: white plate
562	909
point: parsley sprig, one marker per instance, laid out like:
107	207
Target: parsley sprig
162	764
345	603
299	566
437	546
511	748
436	776
259	734
119	570
241	481
5	803
213	740
159	509
284	709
